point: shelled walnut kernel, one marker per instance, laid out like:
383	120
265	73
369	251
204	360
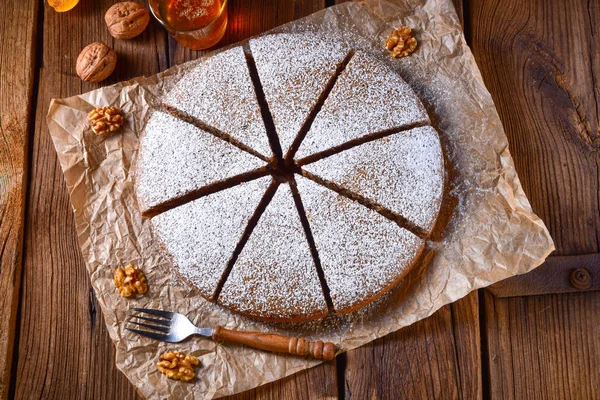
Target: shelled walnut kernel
105	120
130	281
178	366
400	42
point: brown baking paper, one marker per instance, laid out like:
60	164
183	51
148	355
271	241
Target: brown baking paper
487	232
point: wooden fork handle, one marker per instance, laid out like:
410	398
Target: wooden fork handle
277	343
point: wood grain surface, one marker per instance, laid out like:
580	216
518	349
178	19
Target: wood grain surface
539	59
18	24
63	349
438	357
541	62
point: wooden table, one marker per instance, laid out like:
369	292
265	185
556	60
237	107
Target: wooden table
541	62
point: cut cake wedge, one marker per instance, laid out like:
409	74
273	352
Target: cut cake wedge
362	253
367	98
201	236
274	277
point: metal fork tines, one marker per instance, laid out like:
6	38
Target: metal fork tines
162	325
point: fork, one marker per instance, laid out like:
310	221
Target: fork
173	327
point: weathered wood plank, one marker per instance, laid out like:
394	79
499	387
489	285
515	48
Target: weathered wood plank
63	348
438	357
467	344
544	346
18	28
541	62
314	384
543	69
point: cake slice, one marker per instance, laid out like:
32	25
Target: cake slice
219	92
403	172
274	277
362	253
201	236
367	98
177	158
294	69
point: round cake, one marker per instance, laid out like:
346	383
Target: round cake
288	185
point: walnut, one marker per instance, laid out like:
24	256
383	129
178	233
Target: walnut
105	120
96	62
176	365
127	20
400	42
130	281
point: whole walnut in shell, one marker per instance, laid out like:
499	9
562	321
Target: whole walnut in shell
127	20
96	62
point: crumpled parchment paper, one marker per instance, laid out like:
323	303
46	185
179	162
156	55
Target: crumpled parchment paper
487	232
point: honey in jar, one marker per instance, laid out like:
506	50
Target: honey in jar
197	24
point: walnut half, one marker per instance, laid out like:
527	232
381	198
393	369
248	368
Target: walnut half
400	42
178	366
105	120
130	281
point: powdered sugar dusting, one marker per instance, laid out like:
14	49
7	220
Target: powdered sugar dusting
294	71
403	172
219	92
176	158
362	253
274	276
367	98
201	235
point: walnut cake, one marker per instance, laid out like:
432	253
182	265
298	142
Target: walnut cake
289	185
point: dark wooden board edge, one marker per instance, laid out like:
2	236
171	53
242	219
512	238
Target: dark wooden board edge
558	274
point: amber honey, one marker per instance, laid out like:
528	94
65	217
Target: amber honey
197	24
62	5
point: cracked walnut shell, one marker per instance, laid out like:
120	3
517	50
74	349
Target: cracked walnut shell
105	120
127	20
178	366
130	281
96	62
400	42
